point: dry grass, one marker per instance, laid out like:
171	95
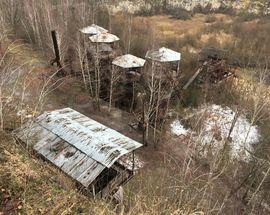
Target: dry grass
177	28
31	186
172	183
221	38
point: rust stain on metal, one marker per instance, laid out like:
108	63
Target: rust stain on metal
104	38
128	61
163	55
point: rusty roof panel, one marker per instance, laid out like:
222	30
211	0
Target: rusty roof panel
163	55
80	167
104	38
128	61
69	159
74	160
55	152
32	133
93	30
90	174
99	142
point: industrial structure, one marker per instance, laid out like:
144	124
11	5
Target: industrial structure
126	80
165	62
129	69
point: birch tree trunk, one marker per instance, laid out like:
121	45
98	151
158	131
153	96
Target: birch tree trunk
97	77
157	110
111	88
81	57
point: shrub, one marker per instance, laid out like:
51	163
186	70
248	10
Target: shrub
210	19
226	10
145	11
245	16
200	9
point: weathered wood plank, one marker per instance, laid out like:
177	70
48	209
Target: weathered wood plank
90	174
73	161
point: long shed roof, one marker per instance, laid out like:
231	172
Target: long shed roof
128	61
163	55
69	159
78	145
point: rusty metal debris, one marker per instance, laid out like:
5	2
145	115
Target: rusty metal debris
214	67
215	71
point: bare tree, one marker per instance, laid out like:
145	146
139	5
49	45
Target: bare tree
115	76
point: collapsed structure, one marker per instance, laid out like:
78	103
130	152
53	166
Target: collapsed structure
216	67
92	154
213	68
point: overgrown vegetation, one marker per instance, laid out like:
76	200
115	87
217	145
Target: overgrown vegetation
176	179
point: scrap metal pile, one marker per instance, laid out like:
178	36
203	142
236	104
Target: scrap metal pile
215	71
215	67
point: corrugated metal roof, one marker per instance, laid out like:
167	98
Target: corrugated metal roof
99	142
78	145
128	61
93	30
66	157
104	38
163	55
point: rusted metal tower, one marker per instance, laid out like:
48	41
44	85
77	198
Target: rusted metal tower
129	69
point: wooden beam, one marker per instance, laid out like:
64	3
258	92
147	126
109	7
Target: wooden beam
192	78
